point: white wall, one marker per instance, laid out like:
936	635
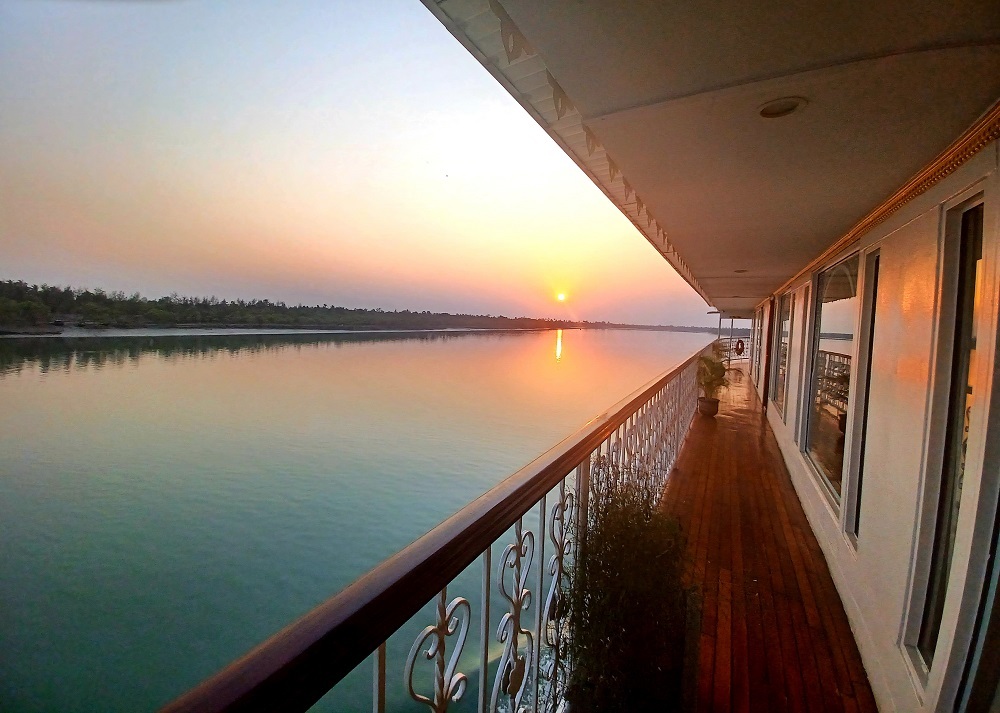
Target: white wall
876	577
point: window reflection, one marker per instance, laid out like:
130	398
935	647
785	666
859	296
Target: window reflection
836	311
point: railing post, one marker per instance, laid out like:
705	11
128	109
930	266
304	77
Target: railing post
583	501
484	633
378	684
540	590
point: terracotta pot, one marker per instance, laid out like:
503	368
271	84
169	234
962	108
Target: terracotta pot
708	407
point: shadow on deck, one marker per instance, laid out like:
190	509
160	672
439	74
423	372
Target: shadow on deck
774	635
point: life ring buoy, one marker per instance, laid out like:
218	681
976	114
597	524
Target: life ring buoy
739	347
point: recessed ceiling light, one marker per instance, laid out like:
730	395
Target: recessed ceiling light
777	108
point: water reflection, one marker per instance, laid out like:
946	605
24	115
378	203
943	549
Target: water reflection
558	345
68	353
169	502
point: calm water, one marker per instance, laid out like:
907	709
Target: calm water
168	502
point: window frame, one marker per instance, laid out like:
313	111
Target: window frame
944	475
804	342
759	341
776	352
854	453
941	675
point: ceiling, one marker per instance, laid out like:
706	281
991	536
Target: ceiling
660	101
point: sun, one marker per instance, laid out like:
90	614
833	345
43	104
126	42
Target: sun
561	297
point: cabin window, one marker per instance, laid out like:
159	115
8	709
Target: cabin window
833	346
781	352
962	393
872	261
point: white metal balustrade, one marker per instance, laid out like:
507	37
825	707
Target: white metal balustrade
534	516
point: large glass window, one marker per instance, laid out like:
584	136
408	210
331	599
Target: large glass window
781	356
962	393
833	345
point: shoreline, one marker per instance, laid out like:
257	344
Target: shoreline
7	333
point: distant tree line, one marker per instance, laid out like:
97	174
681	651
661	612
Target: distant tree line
24	305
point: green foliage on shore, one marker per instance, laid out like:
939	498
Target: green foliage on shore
27	305
24	312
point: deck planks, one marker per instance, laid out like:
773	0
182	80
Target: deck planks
773	635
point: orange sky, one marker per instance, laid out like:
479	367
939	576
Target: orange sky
305	152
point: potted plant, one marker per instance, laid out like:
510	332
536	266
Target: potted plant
711	379
627	603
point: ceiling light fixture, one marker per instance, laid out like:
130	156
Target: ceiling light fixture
777	108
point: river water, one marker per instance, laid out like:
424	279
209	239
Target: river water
167	502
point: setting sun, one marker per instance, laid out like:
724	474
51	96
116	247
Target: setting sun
561	297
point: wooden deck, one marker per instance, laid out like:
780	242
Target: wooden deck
774	635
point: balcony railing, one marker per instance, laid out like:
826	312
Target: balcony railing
734	348
521	532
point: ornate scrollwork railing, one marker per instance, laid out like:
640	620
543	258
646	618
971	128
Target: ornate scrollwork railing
512	680
543	504
449	684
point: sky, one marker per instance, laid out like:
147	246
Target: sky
317	152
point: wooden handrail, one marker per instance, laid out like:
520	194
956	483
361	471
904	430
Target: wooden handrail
294	668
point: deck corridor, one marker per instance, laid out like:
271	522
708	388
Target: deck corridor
774	635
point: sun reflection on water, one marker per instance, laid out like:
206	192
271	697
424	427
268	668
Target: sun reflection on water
558	345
